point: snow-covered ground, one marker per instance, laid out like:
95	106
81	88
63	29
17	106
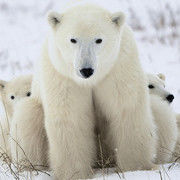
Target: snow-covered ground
157	29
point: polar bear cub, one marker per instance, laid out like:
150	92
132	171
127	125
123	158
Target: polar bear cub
164	117
30	145
24	132
11	92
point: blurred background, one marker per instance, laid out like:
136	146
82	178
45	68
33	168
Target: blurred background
156	25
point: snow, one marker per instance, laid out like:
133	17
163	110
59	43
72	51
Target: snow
157	29
144	175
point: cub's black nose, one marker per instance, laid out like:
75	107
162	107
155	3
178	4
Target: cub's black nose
170	98
87	72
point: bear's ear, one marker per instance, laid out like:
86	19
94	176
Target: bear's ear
161	76
118	18
2	85
54	19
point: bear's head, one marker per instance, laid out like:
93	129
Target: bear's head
12	91
84	41
156	85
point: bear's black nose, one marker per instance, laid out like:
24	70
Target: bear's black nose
87	72
170	98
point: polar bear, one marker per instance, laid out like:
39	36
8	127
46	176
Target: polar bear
164	117
11	92
29	145
90	59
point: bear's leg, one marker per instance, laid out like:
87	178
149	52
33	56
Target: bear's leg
134	140
69	122
131	131
167	134
4	136
27	135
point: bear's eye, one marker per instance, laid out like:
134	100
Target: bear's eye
73	41
98	41
151	86
28	94
12	97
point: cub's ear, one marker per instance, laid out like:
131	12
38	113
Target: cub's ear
118	18
54	19
161	76
2	86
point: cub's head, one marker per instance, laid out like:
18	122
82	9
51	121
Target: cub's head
156	85
84	41
12	91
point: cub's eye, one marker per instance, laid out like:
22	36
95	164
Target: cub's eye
28	94
12	97
98	41
151	86
73	41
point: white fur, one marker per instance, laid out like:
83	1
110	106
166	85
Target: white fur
4	136
177	148
119	92
158	81
122	99
29	141
69	124
166	129
164	118
18	87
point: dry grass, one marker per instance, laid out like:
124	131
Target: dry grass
16	167
105	163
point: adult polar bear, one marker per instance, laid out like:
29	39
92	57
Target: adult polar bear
90	49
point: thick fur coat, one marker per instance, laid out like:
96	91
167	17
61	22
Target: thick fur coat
90	58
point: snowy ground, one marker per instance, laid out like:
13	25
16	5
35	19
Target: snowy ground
157	29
